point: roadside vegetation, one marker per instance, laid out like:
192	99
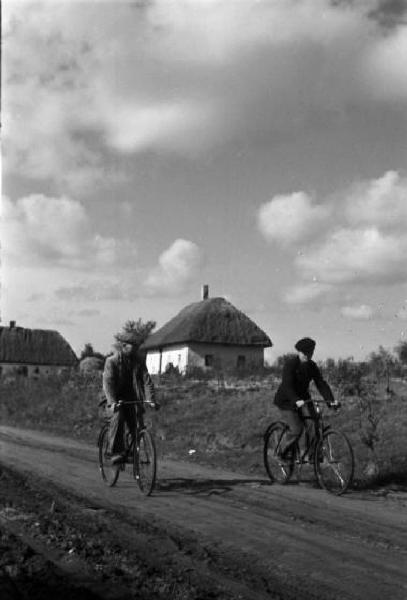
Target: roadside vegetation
220	419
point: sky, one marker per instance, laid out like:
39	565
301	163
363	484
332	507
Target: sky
256	146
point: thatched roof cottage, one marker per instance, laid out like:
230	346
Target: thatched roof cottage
34	352
211	333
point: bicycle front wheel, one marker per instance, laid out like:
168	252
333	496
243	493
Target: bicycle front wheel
334	462
109	472
277	469
145	462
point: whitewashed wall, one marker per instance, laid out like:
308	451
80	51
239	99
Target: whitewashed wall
225	356
177	355
194	356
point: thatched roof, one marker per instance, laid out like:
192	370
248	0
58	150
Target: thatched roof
35	347
211	321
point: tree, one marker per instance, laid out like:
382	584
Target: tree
277	366
87	351
141	329
382	363
401	351
381	360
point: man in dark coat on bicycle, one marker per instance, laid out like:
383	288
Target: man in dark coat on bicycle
298	372
126	379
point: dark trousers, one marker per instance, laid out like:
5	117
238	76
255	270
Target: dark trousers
296	422
127	416
296	425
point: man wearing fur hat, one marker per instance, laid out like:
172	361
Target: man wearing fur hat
298	372
126	379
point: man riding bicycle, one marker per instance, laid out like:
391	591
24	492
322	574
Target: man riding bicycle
293	392
126	379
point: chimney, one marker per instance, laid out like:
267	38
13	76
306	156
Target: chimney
205	292
12	324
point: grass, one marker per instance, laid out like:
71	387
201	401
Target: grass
209	425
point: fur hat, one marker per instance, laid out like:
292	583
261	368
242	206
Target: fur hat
305	345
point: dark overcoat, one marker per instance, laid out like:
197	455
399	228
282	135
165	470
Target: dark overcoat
296	378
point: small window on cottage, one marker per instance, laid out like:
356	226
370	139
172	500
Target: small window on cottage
209	360
23	370
241	361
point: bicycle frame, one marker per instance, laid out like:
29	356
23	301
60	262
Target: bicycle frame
318	430
133	435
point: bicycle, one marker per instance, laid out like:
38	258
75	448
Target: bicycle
327	449
140	452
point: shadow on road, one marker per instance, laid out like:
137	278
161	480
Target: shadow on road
207	486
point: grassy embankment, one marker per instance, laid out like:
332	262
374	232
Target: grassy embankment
219	427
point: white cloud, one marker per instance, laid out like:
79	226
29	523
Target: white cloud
180	76
362	312
356	255
96	290
218	30
178	264
291	218
304	293
383	66
131	128
381	202
57	232
363	239
402	312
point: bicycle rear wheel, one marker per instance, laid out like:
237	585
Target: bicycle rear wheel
334	462
109	472
277	469
145	462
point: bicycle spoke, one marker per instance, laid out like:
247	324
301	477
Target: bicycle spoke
278	470
145	463
110	473
334	464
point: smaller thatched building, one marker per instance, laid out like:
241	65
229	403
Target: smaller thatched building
208	334
91	364
34	352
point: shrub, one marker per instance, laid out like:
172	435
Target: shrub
223	425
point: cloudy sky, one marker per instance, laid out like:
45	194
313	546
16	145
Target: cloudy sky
258	146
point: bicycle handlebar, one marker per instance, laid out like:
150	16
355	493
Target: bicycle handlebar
156	405
121	402
335	406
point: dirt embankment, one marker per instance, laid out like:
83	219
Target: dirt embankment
205	533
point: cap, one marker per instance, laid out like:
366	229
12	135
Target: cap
305	345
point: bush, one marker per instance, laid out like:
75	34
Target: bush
224	426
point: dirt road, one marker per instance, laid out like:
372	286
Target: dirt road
261	541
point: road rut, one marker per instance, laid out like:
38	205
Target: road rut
289	542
